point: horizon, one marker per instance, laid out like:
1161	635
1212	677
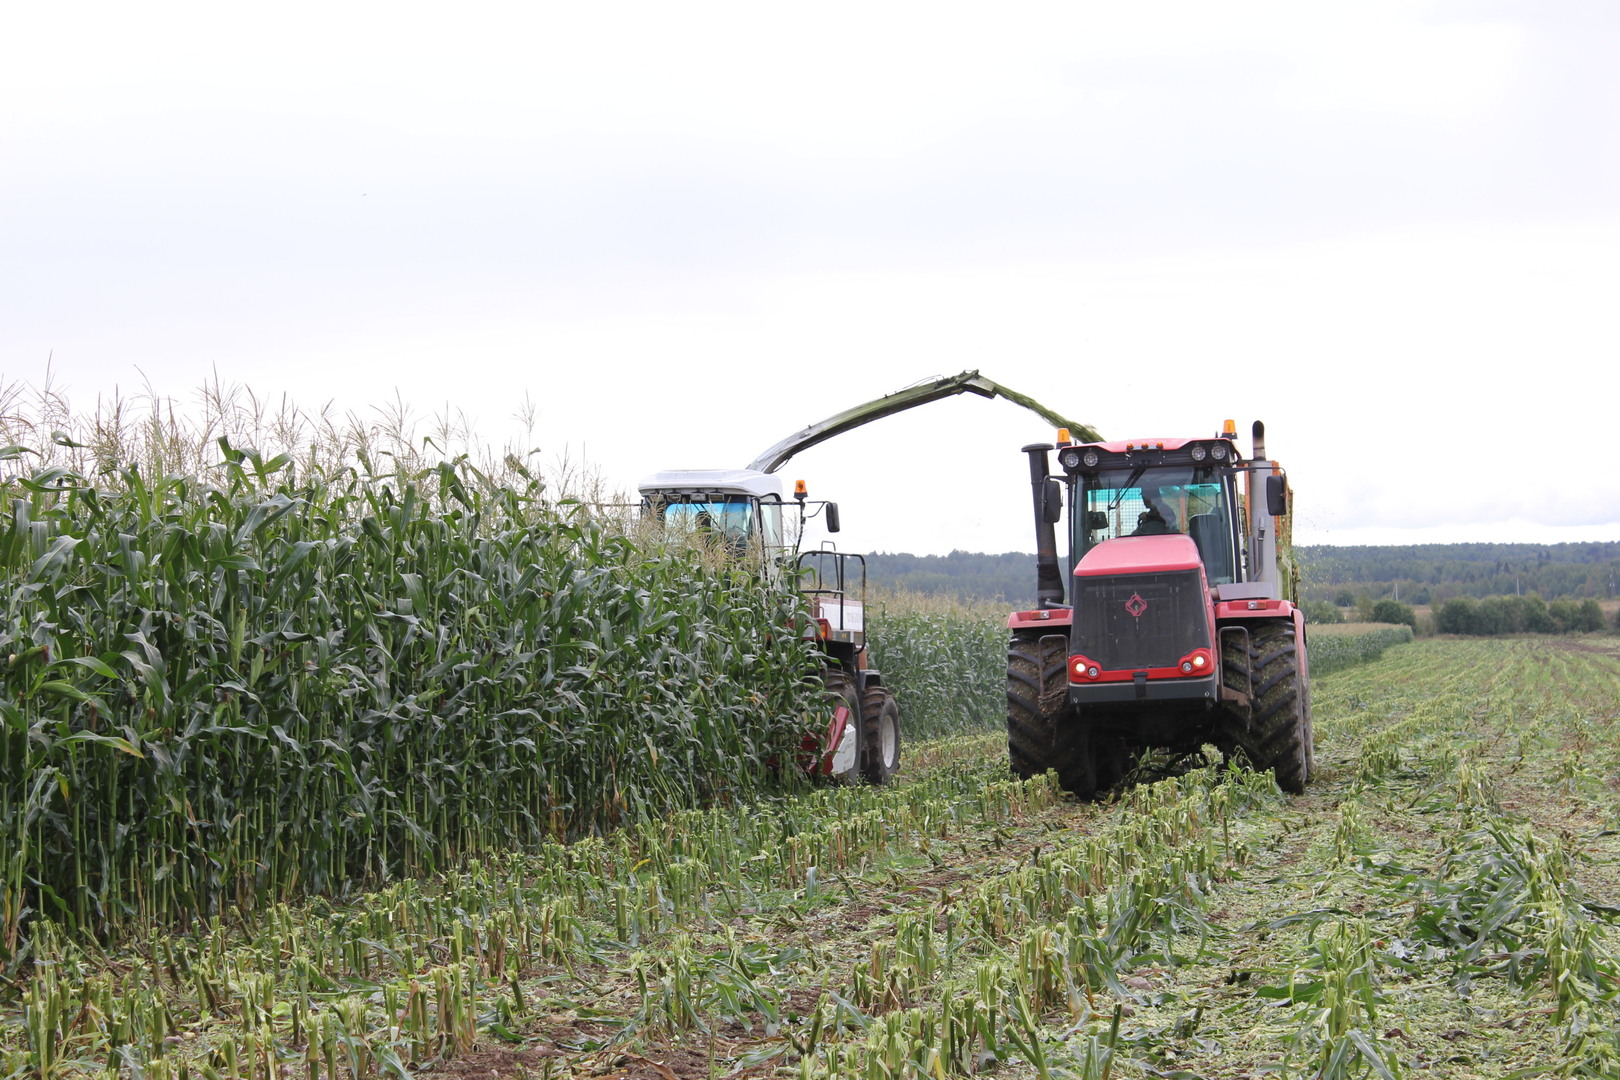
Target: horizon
1460	543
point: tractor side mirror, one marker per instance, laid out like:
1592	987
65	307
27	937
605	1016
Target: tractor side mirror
1052	502
1276	495
832	517
1096	519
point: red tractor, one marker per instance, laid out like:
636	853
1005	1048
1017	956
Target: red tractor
1176	625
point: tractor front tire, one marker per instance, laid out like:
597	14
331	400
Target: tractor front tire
1279	733
880	735
1042	733
1031	731
840	690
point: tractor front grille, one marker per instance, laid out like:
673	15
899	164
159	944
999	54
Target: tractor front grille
1138	621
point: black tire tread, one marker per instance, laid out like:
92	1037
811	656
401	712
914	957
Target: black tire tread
1031	732
876	704
1037	700
1279	731
1231	728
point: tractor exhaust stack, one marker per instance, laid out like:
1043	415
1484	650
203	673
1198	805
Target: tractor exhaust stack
1048	578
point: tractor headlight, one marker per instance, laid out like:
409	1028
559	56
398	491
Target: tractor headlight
1198	452
1218	451
1090	458
1069	459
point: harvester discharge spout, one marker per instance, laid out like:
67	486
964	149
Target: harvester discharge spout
968	382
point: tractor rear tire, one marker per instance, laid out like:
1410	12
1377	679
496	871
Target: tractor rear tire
1279	734
1310	728
880	735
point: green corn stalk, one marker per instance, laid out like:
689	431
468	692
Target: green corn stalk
217	696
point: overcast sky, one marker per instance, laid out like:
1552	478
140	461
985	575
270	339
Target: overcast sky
1389	230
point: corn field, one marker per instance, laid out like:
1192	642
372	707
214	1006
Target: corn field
220	694
946	661
1336	646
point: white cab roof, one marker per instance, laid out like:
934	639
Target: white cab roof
729	481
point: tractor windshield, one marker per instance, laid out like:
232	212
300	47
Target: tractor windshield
1197	502
733	520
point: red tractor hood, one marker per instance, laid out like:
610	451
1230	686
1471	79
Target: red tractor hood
1140	555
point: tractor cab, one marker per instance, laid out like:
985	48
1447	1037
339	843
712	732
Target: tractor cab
742	512
735	510
1202	489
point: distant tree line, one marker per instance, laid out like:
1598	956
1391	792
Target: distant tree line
1420	574
964	575
1518	615
1368	610
1528	614
1431	574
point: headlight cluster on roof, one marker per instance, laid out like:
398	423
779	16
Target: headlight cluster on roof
1217	451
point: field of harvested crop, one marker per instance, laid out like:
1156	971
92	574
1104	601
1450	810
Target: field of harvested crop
1439	902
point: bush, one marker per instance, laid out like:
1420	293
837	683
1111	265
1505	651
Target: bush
1518	615
1322	613
1590	619
1514	615
1393	611
1591	616
1537	619
1458	616
1565	614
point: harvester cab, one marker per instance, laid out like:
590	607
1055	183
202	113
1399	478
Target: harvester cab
743	514
739	510
1173	623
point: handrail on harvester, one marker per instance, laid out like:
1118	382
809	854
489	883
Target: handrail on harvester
969	382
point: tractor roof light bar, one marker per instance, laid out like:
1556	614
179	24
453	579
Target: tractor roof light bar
1198	452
